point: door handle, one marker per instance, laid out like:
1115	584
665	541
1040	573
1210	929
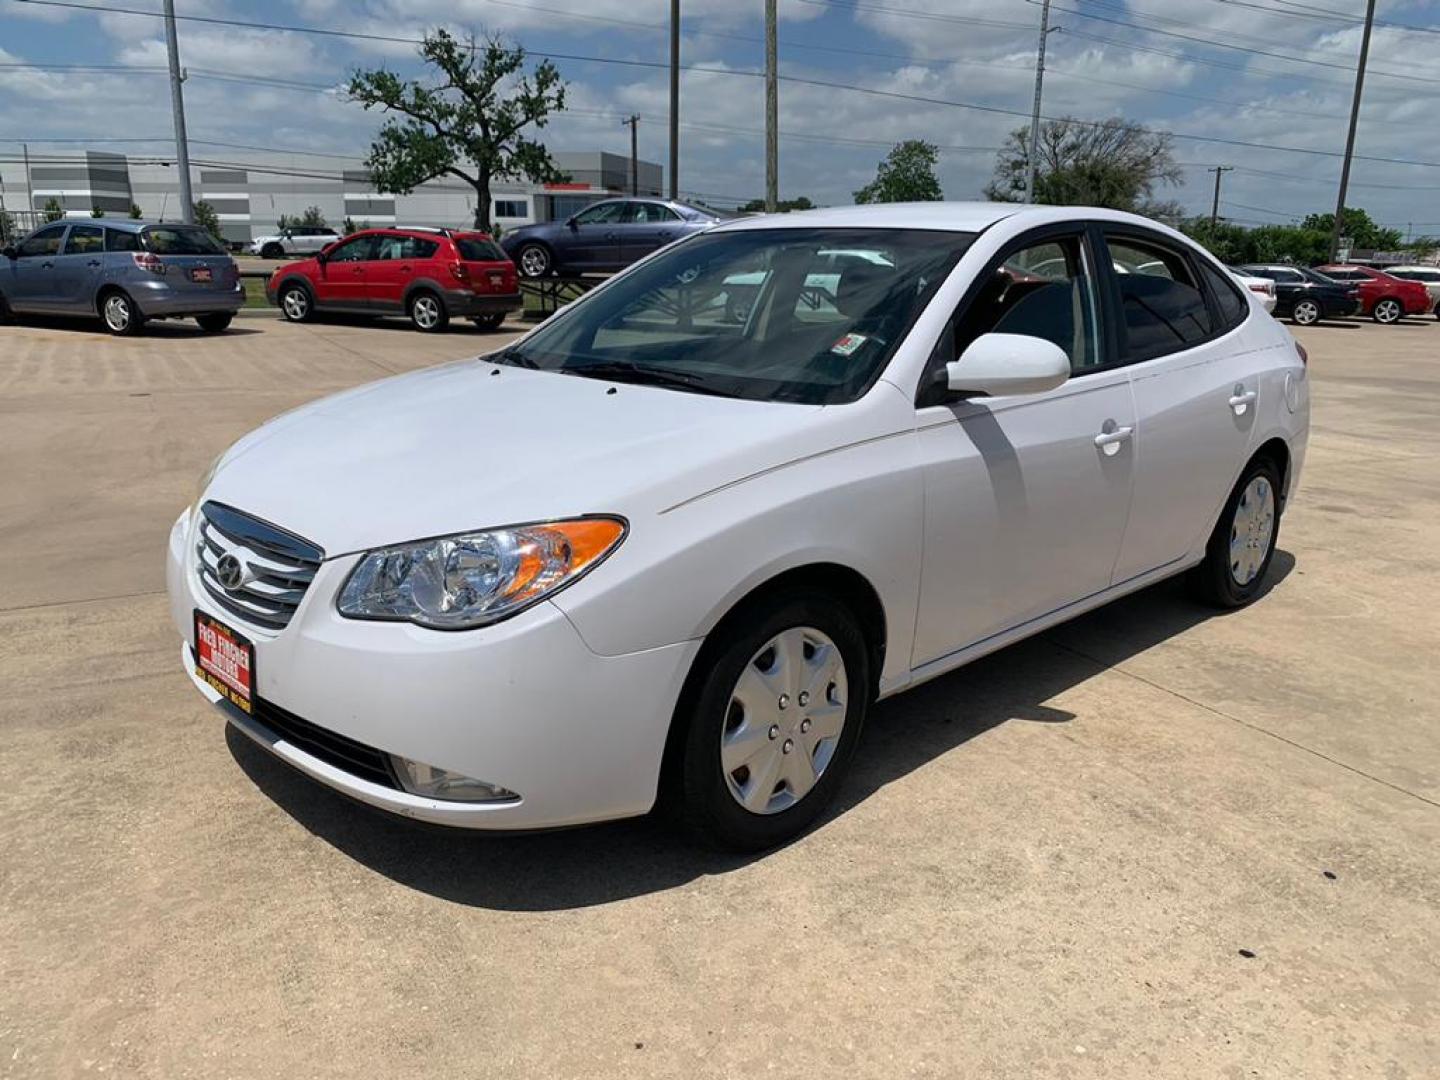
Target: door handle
357	270
1111	437
407	269
612	236
1241	399
47	266
93	262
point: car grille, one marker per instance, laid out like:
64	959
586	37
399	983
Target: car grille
353	757
277	566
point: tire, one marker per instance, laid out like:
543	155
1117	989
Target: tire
119	313
1238	554
272	251
1305	313
296	302
8	316
777	725
534	260
427	312
214	323
489	322
1387	310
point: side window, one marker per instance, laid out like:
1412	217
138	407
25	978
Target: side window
1291	277
115	240
84	240
403	247
648	213
1233	307
44	242
601	214
360	249
1044	291
1162	305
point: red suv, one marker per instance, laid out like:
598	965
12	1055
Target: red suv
1384	298
430	275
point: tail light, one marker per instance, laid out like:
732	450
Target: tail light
459	271
148	260
1265	289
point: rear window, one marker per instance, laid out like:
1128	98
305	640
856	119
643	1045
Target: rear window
115	240
479	249
180	240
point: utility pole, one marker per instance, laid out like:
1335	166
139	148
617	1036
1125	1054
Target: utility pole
29	191
674	99
177	107
634	122
1032	162
1219	171
772	113
1350	138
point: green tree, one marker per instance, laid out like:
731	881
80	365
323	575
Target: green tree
313	218
135	211
906	175
53	210
208	219
1358	225
472	126
96	212
1116	164
784	206
7	227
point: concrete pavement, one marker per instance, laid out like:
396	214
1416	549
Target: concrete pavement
1152	843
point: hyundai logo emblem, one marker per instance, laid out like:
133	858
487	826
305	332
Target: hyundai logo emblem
230	572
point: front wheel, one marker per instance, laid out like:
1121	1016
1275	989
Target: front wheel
427	312
774	722
1243	543
122	317
214	323
1306	313
489	322
272	251
295	303
533	260
1387	311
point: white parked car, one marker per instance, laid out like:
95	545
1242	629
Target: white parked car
1429	276
296	240
650	552
1263	288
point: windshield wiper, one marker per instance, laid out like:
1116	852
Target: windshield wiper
629	371
510	356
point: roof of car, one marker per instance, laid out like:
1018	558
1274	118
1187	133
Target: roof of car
125	224
944	216
1416	266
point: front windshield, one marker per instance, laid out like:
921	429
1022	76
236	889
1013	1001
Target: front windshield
798	315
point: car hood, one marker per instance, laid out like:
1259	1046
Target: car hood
475	444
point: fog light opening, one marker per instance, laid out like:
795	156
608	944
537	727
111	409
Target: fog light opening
433	783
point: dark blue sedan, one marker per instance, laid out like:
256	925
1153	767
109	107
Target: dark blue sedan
606	236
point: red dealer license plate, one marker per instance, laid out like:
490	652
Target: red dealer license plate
201	273
225	660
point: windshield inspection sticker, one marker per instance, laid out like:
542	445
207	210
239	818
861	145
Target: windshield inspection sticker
848	344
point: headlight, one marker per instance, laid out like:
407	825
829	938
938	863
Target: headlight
207	476
459	582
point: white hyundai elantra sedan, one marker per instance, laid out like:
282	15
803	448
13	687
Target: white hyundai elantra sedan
671	545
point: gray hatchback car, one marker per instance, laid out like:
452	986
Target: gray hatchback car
125	272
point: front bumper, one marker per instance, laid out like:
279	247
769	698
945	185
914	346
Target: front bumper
462	303
158	299
524	703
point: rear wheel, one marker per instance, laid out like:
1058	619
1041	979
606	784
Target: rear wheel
272	251
1306	313
1387	311
489	322
427	312
1243	543
773	725
533	260
122	317
295	302
214	323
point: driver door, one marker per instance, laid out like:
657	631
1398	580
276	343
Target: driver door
342	279
1026	496
594	238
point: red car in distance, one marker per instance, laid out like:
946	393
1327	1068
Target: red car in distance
1385	298
429	275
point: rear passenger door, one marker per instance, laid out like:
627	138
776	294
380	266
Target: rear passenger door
646	227
397	262
77	270
1181	324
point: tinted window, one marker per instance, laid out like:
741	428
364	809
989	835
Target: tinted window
1343	275
180	240
1041	291
479	249
722	313
1233	306
642	213
1162	305
356	249
1418	275
1315	276
403	247
1292	276
511	208
115	240
44	242
601	213
85	239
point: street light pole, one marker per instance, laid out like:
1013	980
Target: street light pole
1031	164
634	122
177	107
1350	138
772	113
1219	171
674	99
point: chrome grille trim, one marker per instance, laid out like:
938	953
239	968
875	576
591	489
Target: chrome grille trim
279	566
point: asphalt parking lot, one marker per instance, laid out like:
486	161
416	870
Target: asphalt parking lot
1152	843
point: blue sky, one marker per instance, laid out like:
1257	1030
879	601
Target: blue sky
1270	73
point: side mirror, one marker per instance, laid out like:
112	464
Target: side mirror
999	364
10	251
572	224
323	254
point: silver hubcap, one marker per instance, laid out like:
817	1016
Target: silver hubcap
296	304
117	313
786	716
1306	313
425	311
1251	530
1387	311
533	261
